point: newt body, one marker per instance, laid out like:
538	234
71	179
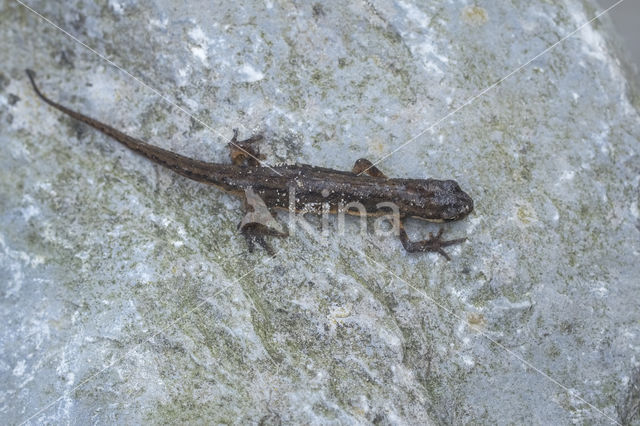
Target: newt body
428	199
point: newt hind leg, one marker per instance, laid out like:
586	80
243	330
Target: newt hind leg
245	152
259	222
256	232
434	243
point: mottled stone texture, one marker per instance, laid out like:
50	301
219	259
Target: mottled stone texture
127	294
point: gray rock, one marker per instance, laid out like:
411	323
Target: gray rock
127	294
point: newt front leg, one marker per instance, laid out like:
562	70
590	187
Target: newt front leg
362	165
435	243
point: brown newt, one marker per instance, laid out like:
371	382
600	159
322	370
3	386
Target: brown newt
428	199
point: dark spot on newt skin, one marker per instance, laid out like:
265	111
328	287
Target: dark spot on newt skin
428	199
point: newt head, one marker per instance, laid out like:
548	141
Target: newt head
436	200
457	203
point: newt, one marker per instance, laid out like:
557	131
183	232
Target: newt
427	199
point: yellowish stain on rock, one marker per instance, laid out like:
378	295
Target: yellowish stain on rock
525	214
337	314
476	320
376	147
474	15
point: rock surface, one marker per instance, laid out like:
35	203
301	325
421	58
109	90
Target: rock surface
127	294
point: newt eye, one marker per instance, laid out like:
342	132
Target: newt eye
451	186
